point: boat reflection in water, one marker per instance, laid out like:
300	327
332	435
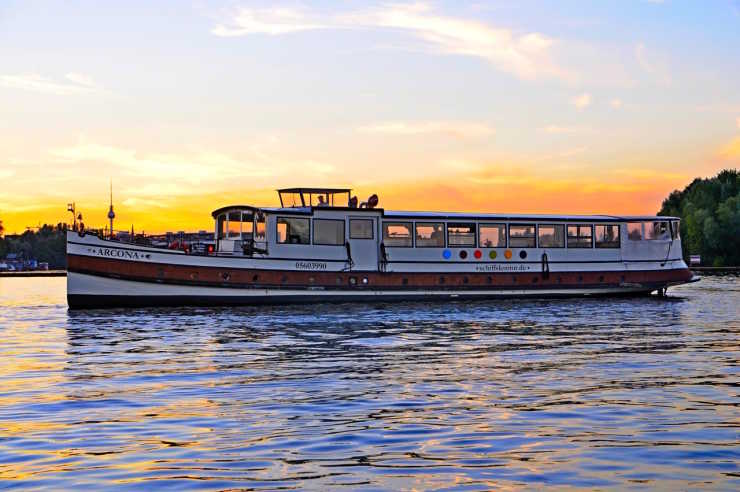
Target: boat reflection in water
321	245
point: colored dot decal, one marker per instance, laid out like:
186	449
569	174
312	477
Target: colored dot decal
477	253
463	254
507	254
447	254
492	255
522	254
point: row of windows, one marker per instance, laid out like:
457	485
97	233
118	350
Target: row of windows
431	235
292	230
328	232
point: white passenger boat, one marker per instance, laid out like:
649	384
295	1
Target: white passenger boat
321	245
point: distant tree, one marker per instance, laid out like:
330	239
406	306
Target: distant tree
2	229
710	213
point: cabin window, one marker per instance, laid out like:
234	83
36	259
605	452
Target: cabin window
492	235
607	236
260	227
551	235
361	229
397	234
221	226
234	225
580	236
657	231
247	225
430	235
460	234
329	232
675	229
521	236
293	231
634	231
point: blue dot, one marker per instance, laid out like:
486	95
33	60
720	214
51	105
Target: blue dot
447	254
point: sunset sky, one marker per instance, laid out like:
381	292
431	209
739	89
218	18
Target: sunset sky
519	106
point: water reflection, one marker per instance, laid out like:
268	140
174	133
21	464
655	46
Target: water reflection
471	396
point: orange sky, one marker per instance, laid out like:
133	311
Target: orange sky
566	107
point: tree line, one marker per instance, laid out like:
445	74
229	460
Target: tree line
710	218
47	244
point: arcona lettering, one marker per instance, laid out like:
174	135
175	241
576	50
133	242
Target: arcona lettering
119	253
310	265
502	268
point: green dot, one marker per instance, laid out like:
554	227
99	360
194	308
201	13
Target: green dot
492	255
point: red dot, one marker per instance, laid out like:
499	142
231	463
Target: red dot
477	253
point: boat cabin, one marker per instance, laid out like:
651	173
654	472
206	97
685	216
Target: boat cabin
329	225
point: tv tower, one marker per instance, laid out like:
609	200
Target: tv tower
111	213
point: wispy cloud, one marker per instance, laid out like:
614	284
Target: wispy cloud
582	101
557	129
731	150
73	83
526	55
273	21
455	129
653	64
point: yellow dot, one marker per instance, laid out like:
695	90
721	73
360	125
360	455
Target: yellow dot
507	254
492	255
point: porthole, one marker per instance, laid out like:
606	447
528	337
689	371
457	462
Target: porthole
255	278
463	254
405	281
492	255
447	254
283	279
311	280
477	254
339	280
365	280
507	254
353	280
513	279
441	280
226	276
601	278
522	254
489	280
580	278
465	280
560	280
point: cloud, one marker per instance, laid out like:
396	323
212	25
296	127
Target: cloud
731	150
582	101
557	130
272	21
737	122
526	55
653	64
74	84
615	103
452	128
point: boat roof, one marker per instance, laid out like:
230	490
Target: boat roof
314	190
415	215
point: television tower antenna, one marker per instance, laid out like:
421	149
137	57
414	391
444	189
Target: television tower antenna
111	213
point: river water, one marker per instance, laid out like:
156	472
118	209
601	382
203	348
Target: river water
602	393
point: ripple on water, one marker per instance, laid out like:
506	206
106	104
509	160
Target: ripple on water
462	396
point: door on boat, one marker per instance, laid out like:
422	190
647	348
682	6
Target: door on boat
363	242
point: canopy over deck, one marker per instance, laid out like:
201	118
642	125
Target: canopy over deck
307	197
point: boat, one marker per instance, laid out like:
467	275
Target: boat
321	245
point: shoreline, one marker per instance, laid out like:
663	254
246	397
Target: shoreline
35	273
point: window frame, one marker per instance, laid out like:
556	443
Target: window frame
277	235
397	222
618	239
534	234
650	225
461	224
313	232
372	228
564	235
444	235
578	236
500	225
642	231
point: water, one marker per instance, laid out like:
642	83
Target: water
620	393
